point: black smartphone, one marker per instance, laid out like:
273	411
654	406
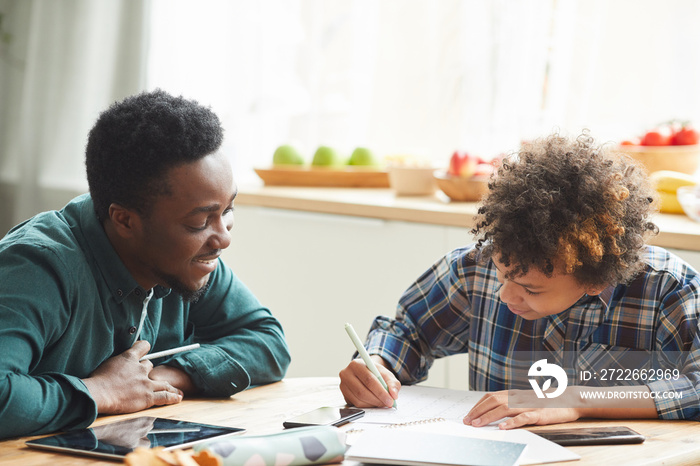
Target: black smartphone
592	436
326	416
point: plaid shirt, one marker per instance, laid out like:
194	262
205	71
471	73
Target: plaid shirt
455	307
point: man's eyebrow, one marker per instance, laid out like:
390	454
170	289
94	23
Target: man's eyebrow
209	208
524	285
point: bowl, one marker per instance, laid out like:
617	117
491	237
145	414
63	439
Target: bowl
412	181
689	198
684	159
462	189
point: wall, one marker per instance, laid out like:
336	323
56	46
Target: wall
47	199
318	271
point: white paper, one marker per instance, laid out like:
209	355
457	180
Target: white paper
439	410
417	403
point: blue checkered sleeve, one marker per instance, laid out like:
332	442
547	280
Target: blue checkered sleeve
432	321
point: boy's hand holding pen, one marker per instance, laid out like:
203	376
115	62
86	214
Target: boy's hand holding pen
366	357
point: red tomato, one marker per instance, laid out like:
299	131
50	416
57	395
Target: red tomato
685	136
627	142
655	138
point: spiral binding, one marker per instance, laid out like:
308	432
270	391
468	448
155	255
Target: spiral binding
400	424
413	423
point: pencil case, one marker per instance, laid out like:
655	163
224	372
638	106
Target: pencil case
294	447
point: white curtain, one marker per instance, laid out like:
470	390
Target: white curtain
62	62
427	77
408	77
415	77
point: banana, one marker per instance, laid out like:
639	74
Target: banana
669	203
666	183
670	181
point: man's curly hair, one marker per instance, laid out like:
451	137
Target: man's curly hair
562	203
135	142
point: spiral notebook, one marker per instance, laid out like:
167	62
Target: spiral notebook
439	411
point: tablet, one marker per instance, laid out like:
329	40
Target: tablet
116	440
592	436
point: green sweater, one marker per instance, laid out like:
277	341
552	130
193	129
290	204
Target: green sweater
68	303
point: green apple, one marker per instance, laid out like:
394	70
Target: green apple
326	157
362	156
287	155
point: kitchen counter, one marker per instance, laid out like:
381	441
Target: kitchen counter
676	231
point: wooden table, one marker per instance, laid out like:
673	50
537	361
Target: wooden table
261	410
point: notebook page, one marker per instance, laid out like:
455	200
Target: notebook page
418	402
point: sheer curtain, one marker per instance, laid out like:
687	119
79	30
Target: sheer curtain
399	76
627	65
62	62
426	78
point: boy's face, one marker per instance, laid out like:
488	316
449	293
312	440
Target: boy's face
534	295
180	241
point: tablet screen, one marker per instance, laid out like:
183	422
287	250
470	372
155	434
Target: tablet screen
117	439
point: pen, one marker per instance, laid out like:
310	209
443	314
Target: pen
160	354
365	356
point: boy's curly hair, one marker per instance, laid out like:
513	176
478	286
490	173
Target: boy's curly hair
568	203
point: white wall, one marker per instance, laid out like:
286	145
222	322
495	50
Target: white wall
318	271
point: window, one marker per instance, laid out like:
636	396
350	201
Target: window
425	78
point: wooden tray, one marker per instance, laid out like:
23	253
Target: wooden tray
348	177
684	159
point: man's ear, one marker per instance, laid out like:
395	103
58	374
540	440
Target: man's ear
126	222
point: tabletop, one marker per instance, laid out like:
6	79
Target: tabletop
262	410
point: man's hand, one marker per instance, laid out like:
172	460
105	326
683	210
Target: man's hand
362	389
122	384
175	377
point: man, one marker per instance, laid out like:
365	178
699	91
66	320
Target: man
560	269
129	269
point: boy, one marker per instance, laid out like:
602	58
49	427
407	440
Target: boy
560	268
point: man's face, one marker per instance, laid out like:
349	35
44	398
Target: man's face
534	295
187	230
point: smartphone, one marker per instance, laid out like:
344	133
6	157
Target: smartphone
326	416
592	436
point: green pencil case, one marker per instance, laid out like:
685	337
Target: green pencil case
294	447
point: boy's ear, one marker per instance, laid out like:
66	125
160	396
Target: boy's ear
126	222
594	291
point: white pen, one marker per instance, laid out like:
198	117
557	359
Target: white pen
160	354
365	356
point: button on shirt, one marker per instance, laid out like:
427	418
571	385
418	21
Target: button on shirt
68	303
454	307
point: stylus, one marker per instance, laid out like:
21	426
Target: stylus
365	356
160	354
